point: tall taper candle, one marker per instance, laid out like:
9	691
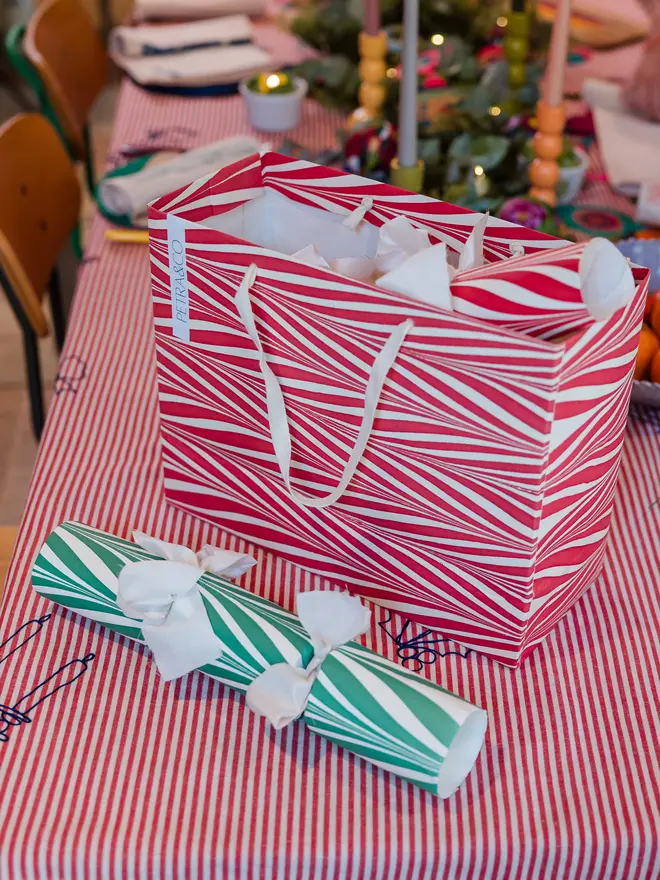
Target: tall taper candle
408	92
553	90
550	114
371	17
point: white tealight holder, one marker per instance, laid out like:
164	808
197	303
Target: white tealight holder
274	111
572	177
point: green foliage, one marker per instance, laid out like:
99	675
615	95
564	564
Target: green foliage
329	27
333	81
486	150
457	134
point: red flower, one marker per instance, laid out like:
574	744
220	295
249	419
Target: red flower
490	53
434	81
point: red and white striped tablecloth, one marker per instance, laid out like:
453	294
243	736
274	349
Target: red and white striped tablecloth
118	775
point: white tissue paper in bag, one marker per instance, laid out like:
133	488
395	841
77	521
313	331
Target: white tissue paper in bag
422	271
472	255
424	277
399	240
412	266
358	268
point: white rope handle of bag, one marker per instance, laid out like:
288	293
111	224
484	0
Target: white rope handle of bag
277	418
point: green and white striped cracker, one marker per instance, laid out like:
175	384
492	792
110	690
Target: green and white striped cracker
395	719
360	700
78	567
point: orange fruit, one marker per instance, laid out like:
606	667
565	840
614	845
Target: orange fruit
655	368
654	320
648	348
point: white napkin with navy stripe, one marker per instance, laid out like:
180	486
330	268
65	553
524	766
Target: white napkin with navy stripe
135	42
200	67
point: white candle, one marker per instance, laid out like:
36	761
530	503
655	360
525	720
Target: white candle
408	92
553	91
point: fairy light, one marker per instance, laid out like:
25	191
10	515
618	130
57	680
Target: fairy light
478	170
391	72
273	81
437	39
495	111
502	21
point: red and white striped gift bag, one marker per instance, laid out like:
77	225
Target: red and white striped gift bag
458	466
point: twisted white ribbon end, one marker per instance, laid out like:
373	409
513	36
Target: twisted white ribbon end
281	692
164	595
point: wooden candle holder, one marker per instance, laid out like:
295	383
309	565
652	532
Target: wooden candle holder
516	48
372	48
547	144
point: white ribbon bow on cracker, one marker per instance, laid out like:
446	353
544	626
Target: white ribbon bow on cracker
164	595
281	692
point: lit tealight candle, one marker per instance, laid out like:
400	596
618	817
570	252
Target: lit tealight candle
269	81
480	181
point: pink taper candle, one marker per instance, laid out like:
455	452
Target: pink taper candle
371	17
553	90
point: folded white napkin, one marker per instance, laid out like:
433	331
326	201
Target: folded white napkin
134	42
629	146
171	10
130	194
200	67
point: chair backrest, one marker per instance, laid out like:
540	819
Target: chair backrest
62	43
39	207
14	39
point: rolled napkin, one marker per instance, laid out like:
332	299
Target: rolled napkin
173	10
290	667
217	65
129	195
135	42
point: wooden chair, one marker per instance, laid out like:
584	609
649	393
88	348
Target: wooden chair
63	46
39	207
14	40
7	541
